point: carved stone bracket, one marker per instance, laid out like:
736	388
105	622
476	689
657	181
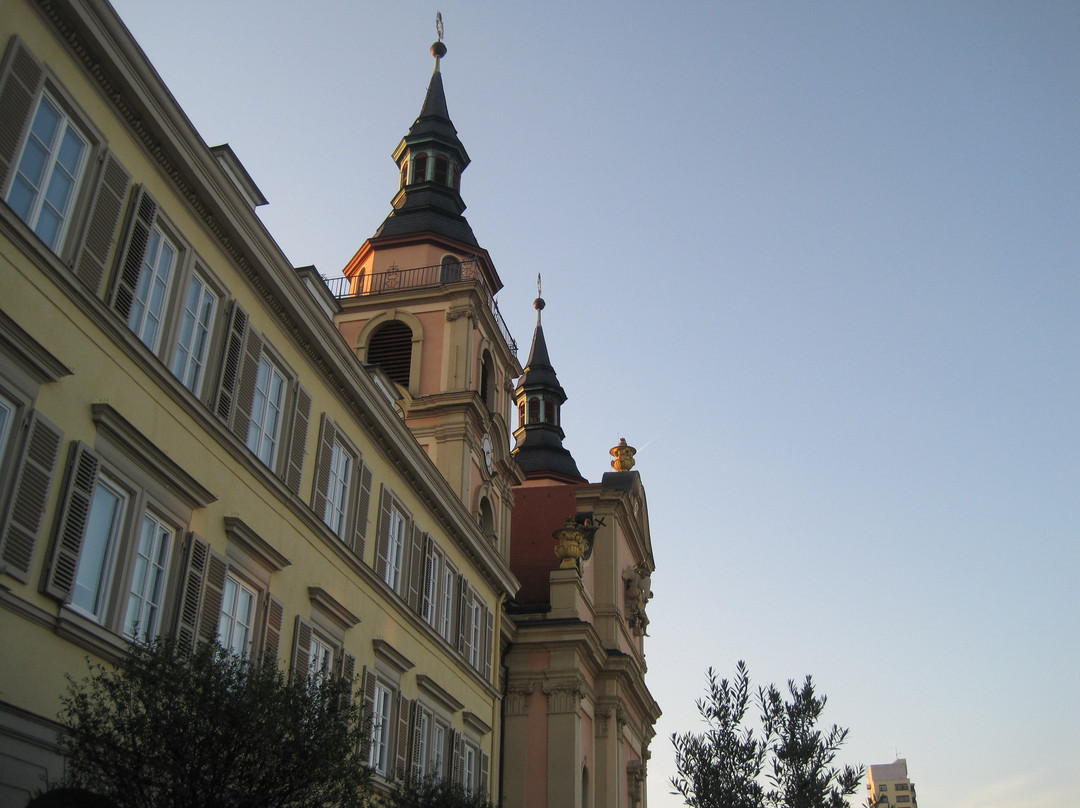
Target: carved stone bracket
461	311
601	719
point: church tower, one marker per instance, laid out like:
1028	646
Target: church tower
421	308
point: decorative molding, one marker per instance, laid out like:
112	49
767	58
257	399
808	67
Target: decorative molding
475	723
601	719
425	684
240	532
459	312
516	699
119	431
564	696
385	652
325	603
30	354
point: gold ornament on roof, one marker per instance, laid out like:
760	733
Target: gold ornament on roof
624	456
569	544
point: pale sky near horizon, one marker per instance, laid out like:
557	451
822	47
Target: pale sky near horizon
817	261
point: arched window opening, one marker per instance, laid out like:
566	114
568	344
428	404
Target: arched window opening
390	348
534	410
419	168
487	382
486	518
442	169
451	269
549	410
521	413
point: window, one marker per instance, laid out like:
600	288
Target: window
432	576
471	756
318	646
451	270
237	621
446	601
422	728
118	530
390	348
476	623
439	734
883	787
419	171
342	491
475	630
50	169
442	169
320	660
380	729
264	426
152	292
901	786
903	797
390	556
194	335
7	421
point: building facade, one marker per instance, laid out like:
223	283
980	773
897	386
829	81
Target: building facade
197	438
887	784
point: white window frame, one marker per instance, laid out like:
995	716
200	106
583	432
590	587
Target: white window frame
342	468
150	306
439	733
447	602
149	577
268	411
395	548
40	192
195	332
320	660
471	762
233	633
432	577
424	726
8	415
97	567
476	628
378	757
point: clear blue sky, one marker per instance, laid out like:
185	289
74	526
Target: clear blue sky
817	261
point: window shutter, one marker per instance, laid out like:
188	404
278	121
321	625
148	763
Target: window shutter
19	87
31	494
382	545
105	211
345	669
127	281
187	618
464	618
363	504
230	363
416	568
485	768
327	436
82	475
457	759
301	652
213	594
274	613
245	388
416	765
367	686
489	639
427	587
298	443
402	739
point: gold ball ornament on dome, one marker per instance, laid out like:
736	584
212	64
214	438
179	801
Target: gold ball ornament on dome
624	456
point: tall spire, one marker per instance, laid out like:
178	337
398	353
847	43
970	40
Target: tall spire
430	160
539	435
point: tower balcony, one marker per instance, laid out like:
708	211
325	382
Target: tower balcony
395	279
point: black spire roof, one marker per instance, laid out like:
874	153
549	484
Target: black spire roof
425	205
539	435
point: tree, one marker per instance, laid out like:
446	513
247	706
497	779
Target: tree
722	767
433	792
177	728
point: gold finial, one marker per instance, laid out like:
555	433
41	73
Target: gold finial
624	456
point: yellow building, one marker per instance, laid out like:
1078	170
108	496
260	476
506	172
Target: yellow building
189	446
887	784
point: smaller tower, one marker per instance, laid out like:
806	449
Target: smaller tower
538	439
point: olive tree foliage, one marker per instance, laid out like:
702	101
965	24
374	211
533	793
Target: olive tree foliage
171	727
783	762
434	792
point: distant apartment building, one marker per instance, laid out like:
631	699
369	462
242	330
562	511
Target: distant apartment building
888	785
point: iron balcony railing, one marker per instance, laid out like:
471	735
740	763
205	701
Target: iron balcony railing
395	279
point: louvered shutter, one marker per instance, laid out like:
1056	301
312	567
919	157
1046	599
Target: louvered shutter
213	594
274	613
301	652
31	487
489	638
416	567
485	768
457	759
367	687
427	585
464	618
231	362
74	513
416	735
363	504
402	738
323	457
187	618
19	86
127	281
102	223
298	441
382	542
245	387
345	669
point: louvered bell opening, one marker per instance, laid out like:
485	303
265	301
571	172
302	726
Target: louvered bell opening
391	349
